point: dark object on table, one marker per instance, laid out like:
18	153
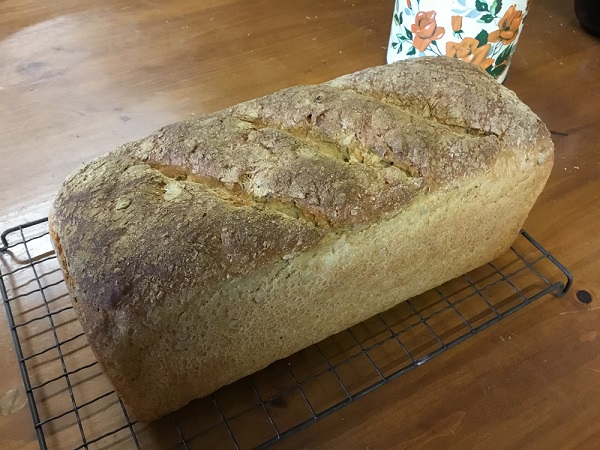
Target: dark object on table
588	14
584	297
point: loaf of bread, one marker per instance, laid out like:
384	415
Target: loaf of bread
216	246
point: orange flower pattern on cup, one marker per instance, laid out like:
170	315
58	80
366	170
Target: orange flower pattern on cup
456	22
483	32
425	30
508	26
468	51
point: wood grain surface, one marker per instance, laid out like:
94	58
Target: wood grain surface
79	77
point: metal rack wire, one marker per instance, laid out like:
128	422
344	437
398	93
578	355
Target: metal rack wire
73	405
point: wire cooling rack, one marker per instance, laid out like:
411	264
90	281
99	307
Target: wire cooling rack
74	406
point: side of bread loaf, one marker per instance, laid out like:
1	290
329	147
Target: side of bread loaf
216	246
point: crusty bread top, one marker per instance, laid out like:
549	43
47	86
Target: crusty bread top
217	197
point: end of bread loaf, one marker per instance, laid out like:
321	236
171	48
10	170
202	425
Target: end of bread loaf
216	246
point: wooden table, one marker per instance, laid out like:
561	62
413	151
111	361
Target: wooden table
79	77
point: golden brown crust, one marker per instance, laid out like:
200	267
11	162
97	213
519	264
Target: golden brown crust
121	218
212	215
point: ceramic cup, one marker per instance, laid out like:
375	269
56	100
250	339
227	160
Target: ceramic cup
481	32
